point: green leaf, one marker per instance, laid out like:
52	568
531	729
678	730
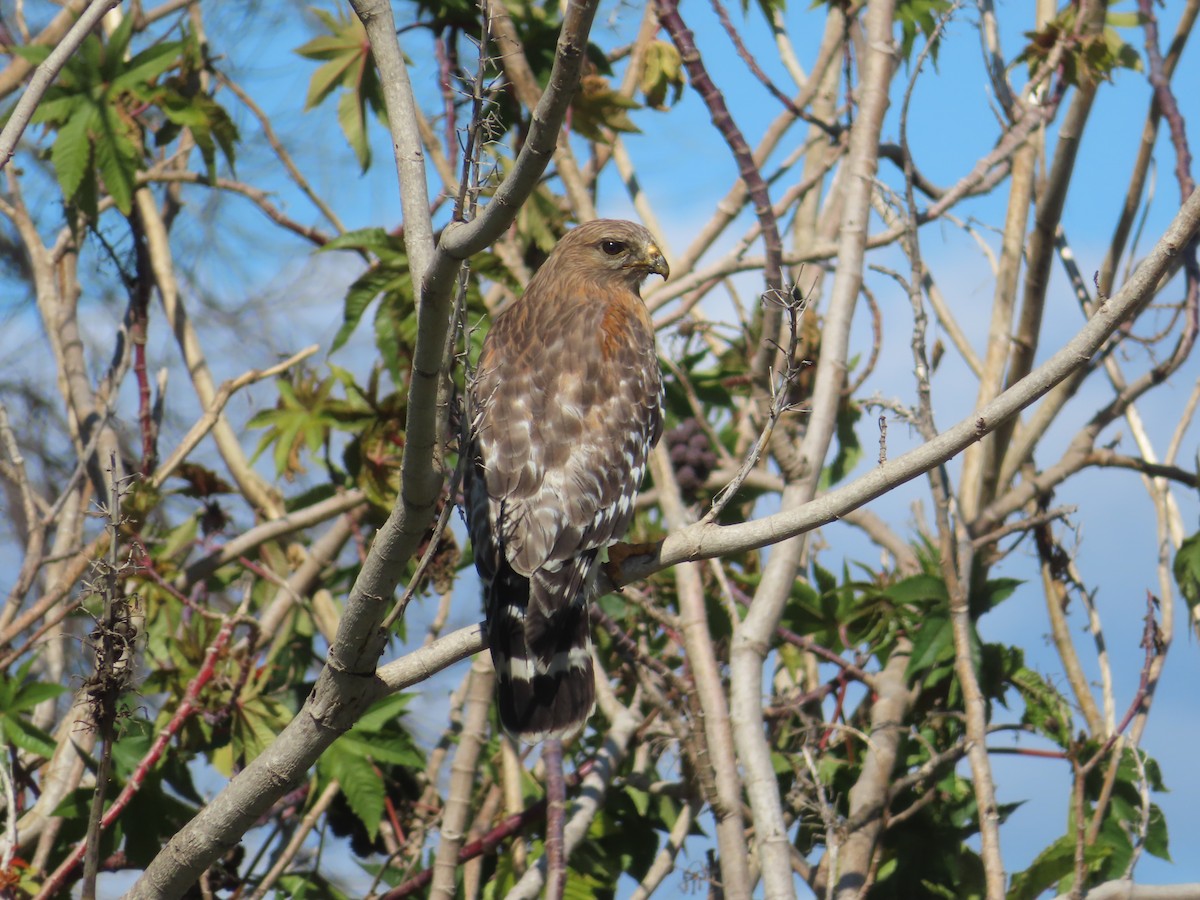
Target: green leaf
116	158
1046	710
933	643
597	106
208	122
662	71
118	44
1054	864
362	785
1156	834
360	296
71	154
147	66
849	450
57	108
24	736
826	581
256	722
325	79
386	748
1187	570
995	591
383	712
393	331
373	240
352	118
33	693
920	591
31	53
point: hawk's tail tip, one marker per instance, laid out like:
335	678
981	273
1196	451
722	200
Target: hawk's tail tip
547	706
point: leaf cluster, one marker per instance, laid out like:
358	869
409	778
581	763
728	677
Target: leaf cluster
107	105
1089	57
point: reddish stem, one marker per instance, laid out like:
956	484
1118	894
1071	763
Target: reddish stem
187	708
512	825
722	120
139	324
757	72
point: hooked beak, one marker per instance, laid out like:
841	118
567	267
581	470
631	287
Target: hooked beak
656	263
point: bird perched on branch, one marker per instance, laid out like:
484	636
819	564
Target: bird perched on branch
565	407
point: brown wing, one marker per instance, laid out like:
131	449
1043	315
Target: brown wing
568	411
566	406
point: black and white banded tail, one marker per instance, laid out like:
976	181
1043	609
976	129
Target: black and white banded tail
541	644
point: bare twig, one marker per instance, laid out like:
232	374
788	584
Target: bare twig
223	395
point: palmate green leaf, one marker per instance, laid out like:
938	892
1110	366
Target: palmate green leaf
207	121
71	154
1054	865
345	32
24	736
117	45
327	77
919	17
933	643
57	107
31	53
1046	710
373	240
352	117
395	331
597	106
1187	570
299	420
146	67
116	159
662	71
354	759
384	712
390	747
256	722
361	784
918	591
362	293
347	63
309	886
216	130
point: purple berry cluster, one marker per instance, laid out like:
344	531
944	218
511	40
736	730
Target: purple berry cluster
692	455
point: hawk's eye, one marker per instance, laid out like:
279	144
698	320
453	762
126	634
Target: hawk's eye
612	248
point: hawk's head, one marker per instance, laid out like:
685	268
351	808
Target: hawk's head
610	247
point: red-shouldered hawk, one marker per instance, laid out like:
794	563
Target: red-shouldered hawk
566	403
